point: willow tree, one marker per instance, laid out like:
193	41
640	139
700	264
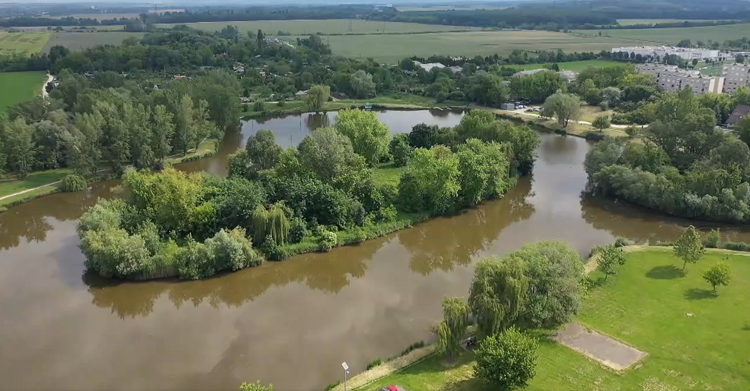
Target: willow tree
277	225
259	224
270	222
498	292
453	327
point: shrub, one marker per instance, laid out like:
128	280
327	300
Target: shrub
412	347
604	106
259	106
358	235
333	385
718	274
622	242
272	250
297	231
712	239
281	103
327	241
737	246
506	361
374	363
73	183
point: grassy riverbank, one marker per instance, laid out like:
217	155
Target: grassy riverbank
695	339
42	183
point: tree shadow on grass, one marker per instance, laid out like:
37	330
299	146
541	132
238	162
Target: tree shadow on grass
667	272
746	328
700	294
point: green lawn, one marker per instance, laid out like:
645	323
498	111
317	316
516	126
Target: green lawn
387	174
11	185
17	87
647	306
673	35
22	43
576	66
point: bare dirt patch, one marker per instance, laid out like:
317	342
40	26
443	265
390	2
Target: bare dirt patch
612	353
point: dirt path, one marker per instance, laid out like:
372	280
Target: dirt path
28	190
523	112
45	94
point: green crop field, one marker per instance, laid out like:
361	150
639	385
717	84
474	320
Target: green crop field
392	48
17	87
630	22
99	16
22	43
450	7
673	35
80	41
695	339
332	26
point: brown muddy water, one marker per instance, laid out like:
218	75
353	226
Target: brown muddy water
290	323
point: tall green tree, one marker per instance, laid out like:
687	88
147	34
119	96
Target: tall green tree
163	131
564	106
329	155
19	147
262	151
430	182
400	149
498	294
317	96
362	84
369	136
689	247
82	143
184	125
601	122
203	127
453	326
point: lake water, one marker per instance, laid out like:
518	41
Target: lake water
289	323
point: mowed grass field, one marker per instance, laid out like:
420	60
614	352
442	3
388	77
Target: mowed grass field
695	339
100	16
332	26
576	66
22	43
392	48
81	41
674	35
17	87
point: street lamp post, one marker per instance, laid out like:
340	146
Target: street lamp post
346	371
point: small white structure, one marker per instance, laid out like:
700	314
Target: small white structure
428	67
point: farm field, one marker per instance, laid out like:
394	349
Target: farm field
22	43
630	22
695	339
17	87
392	48
332	26
81	41
673	35
450	7
576	66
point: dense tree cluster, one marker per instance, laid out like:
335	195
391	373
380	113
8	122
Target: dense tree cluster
279	198
685	168
111	122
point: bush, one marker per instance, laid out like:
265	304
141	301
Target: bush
297	231
374	363
412	347
73	183
333	385
737	246
591	136
272	250
604	106
327	241
712	239
281	103
506	361
259	106
622	242
359	235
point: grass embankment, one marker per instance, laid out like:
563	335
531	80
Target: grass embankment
45	182
17	87
695	339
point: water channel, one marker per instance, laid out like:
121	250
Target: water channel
289	323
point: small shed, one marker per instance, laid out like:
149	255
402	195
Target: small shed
507	106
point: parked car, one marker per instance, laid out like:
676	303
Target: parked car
392	388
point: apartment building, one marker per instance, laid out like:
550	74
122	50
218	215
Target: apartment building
672	79
735	76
